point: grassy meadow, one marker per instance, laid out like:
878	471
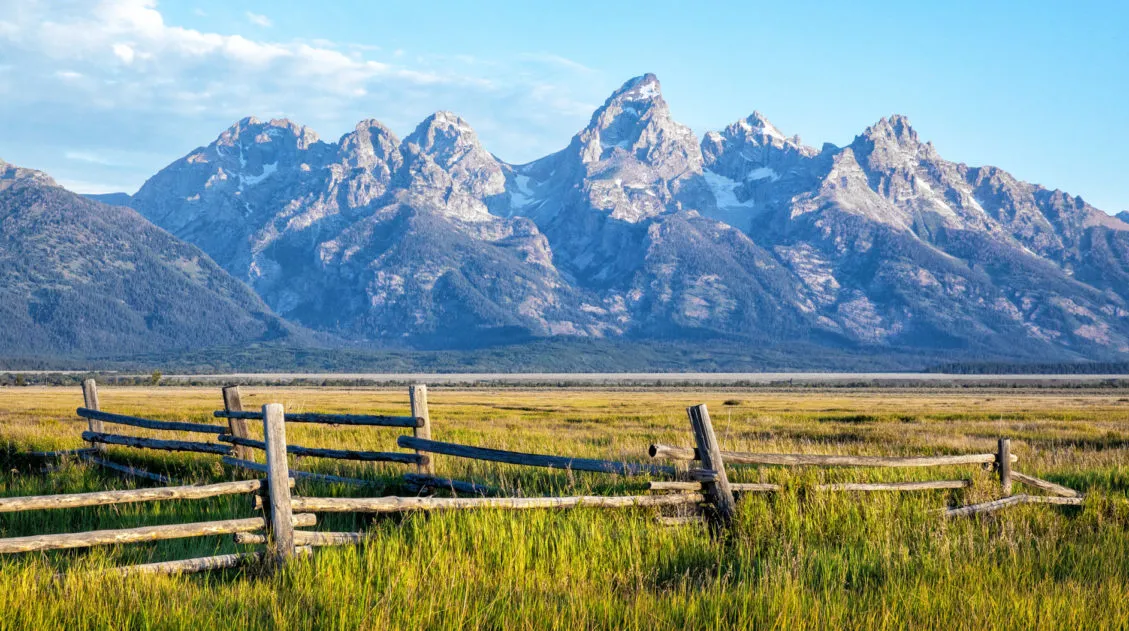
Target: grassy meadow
798	559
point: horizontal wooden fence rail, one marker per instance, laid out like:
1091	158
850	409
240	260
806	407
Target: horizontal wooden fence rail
423	481
533	460
404	504
65	541
932	485
203	564
301	475
744	487
1038	483
331	419
1013	500
156	443
337	454
309	538
134	421
734	457
127	496
128	470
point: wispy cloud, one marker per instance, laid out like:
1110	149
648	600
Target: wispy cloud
116	72
259	19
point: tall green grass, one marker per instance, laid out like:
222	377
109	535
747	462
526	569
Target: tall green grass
798	559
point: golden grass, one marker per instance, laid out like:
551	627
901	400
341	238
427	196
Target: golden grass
797	559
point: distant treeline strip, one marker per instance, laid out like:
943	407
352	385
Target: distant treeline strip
1044	368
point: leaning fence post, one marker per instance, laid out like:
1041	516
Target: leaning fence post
281	529
417	393
90	402
238	426
1003	464
716	486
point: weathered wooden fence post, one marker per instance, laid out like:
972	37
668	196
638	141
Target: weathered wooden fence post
90	402
716	486
417	393
1003	464
238	426
279	523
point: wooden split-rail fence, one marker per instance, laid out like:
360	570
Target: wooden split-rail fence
281	516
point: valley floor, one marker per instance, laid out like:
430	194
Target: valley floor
798	559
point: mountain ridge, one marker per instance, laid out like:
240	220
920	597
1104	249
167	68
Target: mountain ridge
82	278
638	229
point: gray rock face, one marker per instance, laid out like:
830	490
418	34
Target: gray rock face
370	237
638	228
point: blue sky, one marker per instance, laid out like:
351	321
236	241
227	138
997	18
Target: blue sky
102	94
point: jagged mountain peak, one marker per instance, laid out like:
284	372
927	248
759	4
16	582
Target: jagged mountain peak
756	130
441	123
370	142
447	138
642	88
894	129
757	123
1124	216
251	130
639	99
634	126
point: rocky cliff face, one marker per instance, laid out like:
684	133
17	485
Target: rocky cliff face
638	228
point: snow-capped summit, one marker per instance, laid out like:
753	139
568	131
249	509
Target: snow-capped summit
636	228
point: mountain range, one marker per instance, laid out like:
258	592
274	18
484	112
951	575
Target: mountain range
638	230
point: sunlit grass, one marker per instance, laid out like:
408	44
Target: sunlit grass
796	559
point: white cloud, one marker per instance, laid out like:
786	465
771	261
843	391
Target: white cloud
123	52
259	20
109	65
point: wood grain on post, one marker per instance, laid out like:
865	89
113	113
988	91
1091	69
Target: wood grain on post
136	535
90	401
417	394
532	460
232	402
127	496
1039	483
155	443
1003	463
404	504
717	490
670	452
278	483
